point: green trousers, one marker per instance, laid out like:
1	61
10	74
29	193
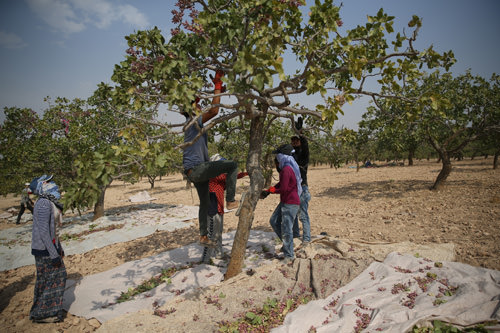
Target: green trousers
200	176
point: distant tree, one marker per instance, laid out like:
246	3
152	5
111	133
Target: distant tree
322	149
452	113
34	145
391	132
112	146
19	135
356	144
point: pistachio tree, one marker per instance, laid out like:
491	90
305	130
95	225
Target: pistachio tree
393	133
18	138
451	112
33	144
273	56
110	146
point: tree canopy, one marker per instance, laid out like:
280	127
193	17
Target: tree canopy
272	54
253	42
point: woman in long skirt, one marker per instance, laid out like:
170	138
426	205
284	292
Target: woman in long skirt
50	270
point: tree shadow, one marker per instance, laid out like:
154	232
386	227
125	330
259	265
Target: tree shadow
159	242
468	169
154	190
168	181
170	250
322	167
10	290
176	189
389	189
113	213
367	191
137	206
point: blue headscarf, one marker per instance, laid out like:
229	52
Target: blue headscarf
288	160
45	186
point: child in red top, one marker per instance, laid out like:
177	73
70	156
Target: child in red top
217	186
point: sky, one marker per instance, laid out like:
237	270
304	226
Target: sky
66	48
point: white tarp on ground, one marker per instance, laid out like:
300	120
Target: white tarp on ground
402	291
95	296
141	197
138	221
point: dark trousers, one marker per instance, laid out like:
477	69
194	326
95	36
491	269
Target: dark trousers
21	211
201	174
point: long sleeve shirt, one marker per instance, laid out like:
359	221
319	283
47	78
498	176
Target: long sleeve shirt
287	187
43	238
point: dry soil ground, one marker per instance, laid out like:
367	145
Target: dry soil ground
389	204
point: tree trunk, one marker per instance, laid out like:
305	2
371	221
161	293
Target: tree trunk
445	170
495	159
251	198
151	180
411	153
99	205
357	161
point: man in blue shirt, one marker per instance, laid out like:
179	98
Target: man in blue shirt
198	167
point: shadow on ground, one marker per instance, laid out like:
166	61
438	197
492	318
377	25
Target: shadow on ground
390	189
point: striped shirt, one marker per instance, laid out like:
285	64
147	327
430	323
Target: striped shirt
43	237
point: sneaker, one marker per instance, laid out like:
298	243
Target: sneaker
230	205
205	241
288	260
219	254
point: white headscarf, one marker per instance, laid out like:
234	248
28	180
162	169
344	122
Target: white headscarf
287	160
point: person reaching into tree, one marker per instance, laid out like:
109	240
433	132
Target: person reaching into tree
197	167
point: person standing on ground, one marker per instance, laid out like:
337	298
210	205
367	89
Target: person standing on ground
45	246
289	190
301	155
197	167
25	202
217	186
